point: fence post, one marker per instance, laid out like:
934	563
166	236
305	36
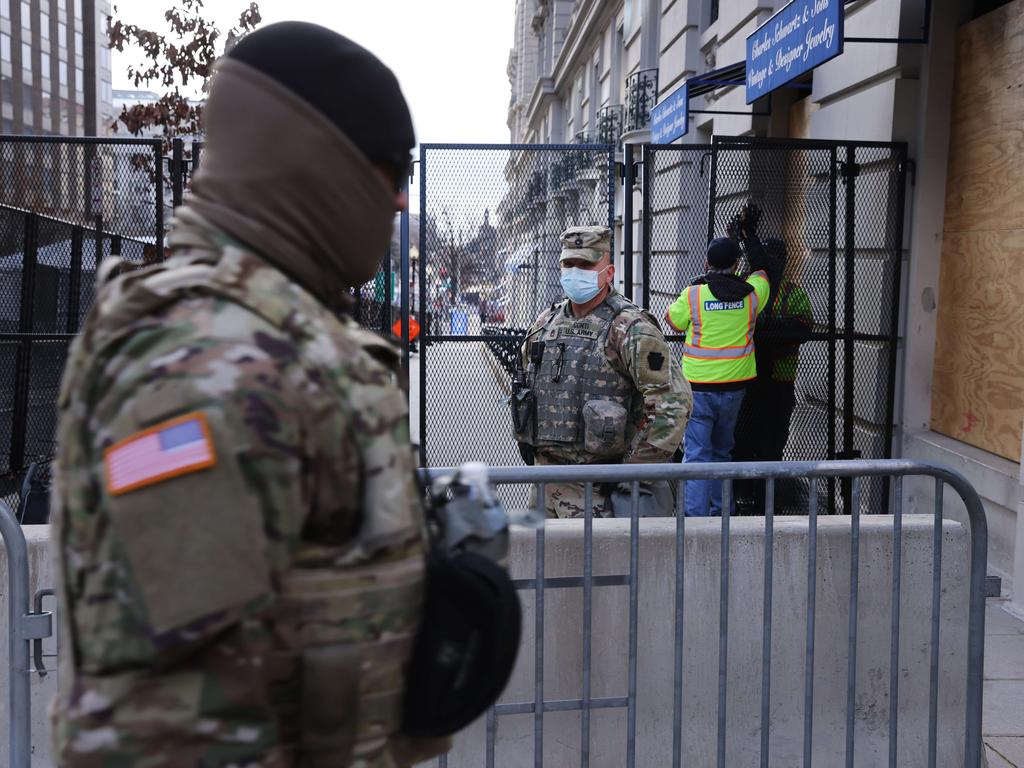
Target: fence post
389	279
406	287
832	333
19	692
712	190
425	330
23	374
646	156
627	222
177	171
159	149
75	282
850	172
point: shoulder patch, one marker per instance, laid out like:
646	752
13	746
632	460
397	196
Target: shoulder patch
655	360
170	449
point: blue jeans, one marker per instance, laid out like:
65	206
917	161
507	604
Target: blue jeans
710	434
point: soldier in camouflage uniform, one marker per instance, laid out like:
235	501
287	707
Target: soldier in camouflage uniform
238	530
599	386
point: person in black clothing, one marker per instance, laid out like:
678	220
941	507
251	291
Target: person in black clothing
762	430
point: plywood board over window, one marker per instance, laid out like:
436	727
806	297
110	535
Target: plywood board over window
978	383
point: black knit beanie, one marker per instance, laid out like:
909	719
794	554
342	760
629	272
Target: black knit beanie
723	253
342	80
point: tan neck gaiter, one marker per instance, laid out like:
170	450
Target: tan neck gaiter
279	177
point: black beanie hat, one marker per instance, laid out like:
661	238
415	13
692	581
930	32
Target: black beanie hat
342	80
723	253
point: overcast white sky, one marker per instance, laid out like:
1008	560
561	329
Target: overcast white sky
449	55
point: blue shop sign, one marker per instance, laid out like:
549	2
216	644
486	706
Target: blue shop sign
800	37
671	118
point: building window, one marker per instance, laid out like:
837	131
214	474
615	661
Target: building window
712	12
44	26
5	47
79	45
62	33
78	9
62	69
5	8
79	82
26	15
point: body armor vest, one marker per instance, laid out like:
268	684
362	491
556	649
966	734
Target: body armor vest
323	657
582	401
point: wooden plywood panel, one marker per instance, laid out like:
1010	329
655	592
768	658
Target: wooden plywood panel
986	171
978	383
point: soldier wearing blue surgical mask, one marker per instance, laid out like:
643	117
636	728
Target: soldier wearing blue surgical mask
597	384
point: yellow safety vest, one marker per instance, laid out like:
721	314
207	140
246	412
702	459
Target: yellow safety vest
720	334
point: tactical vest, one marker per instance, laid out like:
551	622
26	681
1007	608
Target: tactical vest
582	401
322	665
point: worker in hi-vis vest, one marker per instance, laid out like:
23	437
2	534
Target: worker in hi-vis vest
718	313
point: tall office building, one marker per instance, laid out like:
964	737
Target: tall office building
55	66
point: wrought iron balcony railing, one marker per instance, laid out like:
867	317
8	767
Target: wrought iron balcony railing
609	124
641	94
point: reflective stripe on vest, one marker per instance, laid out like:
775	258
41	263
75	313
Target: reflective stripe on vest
727	353
693	297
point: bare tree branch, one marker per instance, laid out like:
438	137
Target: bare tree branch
172	62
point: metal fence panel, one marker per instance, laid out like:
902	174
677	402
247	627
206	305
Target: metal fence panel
487	266
113	184
838	209
865	707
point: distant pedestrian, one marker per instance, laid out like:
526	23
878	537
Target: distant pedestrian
764	421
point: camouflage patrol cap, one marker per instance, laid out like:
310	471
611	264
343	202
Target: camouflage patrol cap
588	243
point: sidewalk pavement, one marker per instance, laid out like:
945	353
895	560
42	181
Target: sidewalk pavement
1003	719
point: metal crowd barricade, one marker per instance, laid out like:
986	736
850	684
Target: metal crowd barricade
855	470
24	627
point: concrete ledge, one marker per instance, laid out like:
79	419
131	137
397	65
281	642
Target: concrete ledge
997	482
563	645
993	477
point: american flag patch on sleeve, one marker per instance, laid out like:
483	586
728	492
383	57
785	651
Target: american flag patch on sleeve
171	449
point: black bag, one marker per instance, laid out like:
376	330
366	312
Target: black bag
467	643
466	647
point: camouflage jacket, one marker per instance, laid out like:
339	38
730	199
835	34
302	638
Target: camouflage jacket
237	526
637	351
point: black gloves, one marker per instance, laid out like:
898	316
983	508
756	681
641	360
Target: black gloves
744	224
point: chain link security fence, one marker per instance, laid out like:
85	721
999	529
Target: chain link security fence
486	267
836	210
481	263
65	205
